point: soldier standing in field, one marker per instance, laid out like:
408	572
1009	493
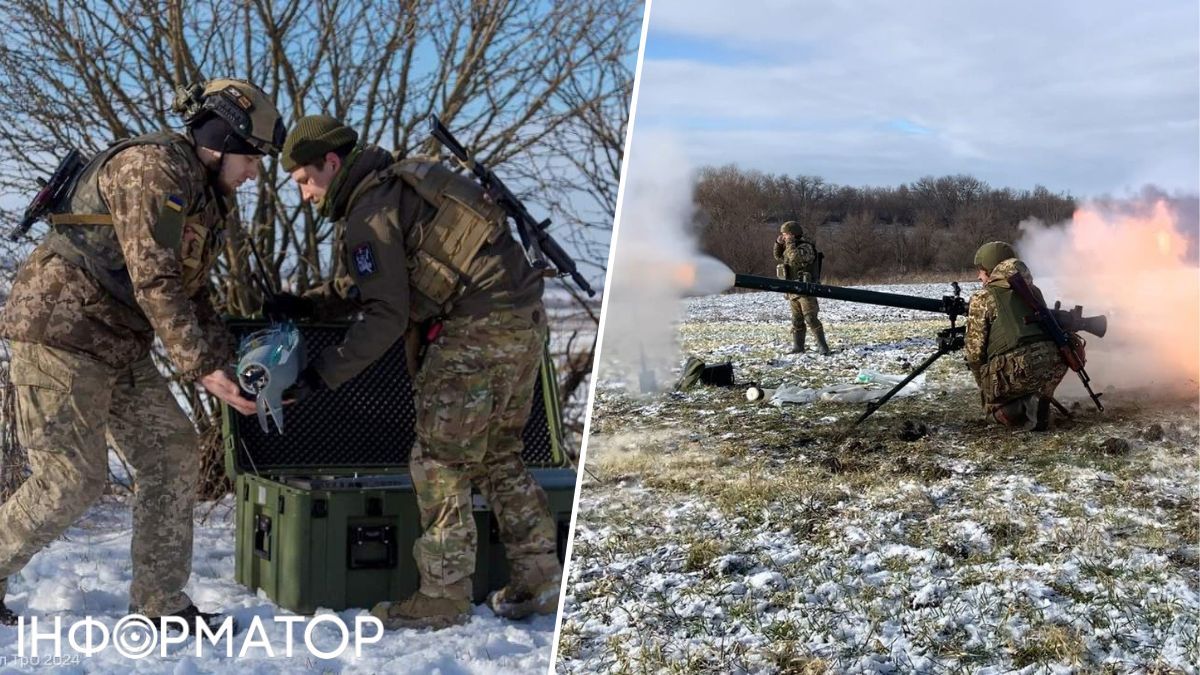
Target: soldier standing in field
1015	363
126	260
425	244
798	259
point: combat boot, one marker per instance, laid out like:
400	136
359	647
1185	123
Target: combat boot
7	616
798	341
450	606
517	601
1019	413
819	333
1042	416
189	615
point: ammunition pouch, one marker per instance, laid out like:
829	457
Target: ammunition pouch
781	271
444	246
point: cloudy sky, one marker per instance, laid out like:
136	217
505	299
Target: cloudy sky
1085	97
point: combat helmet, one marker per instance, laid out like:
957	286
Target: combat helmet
244	107
993	253
793	228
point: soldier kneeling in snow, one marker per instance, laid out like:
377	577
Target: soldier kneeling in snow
1015	362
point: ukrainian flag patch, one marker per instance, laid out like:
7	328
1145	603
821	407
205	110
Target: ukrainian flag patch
175	203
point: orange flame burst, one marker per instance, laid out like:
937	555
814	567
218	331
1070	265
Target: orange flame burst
684	275
1134	265
1143	242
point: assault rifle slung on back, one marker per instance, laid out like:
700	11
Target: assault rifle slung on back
536	241
52	190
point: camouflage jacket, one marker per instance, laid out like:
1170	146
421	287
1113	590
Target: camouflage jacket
798	259
983	313
379	226
66	305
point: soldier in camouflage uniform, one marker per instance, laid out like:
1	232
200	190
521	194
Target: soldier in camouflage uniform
126	260
1016	364
798	262
423	243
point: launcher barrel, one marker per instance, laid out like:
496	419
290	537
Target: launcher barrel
950	305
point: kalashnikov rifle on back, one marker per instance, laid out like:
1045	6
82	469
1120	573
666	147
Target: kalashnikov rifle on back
51	191
949	340
536	241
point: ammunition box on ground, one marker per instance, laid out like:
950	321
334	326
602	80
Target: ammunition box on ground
326	513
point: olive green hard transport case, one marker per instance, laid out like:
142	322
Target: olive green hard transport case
326	514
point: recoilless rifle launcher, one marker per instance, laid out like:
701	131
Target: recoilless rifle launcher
953	306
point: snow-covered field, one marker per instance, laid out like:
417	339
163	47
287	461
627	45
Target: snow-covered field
717	535
87	573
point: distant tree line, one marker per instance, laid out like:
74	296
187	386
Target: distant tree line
932	225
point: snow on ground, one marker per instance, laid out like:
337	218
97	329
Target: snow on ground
717	535
87	573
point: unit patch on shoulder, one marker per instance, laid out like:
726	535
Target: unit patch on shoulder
175	203
364	260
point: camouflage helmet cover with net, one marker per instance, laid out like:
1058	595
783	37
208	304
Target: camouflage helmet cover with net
242	105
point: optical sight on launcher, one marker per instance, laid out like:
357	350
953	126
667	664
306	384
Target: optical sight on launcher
949	340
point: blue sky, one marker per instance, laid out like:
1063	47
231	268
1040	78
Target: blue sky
1083	97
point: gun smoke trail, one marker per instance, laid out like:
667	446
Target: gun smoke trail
655	265
1134	261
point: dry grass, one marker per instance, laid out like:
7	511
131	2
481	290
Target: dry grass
965	547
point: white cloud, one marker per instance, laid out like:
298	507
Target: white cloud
1086	97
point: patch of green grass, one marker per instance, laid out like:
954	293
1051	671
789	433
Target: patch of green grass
1007	533
700	554
782	631
570	640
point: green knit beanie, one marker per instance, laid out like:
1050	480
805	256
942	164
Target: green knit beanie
993	253
312	138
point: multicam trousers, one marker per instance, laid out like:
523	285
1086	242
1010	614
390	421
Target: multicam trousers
1030	369
474	392
68	406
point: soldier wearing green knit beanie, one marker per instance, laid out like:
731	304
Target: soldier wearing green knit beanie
424	244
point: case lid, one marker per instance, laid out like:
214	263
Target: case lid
366	426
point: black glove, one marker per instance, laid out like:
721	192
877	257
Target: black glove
288	306
309	382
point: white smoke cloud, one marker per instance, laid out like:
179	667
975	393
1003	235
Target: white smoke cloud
655	264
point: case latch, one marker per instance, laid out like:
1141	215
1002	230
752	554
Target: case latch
371	547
